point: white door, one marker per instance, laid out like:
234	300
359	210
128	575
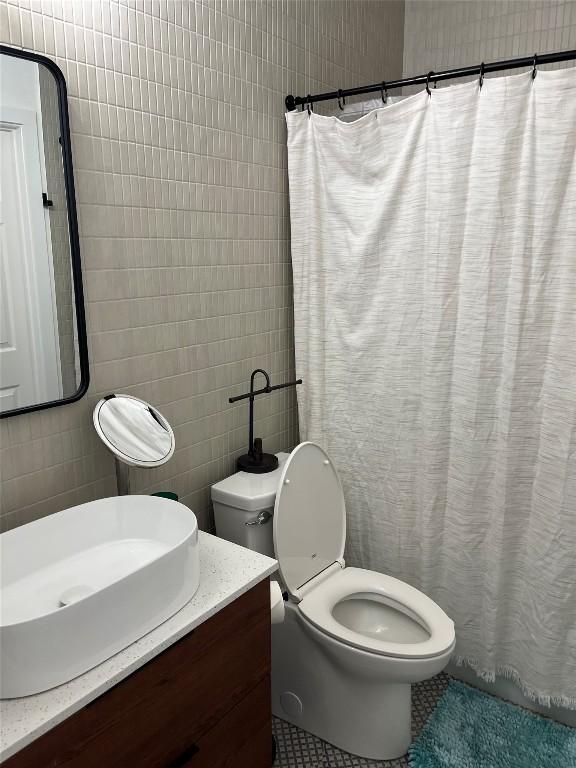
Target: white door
29	351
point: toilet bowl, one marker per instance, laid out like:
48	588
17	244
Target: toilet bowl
380	615
353	640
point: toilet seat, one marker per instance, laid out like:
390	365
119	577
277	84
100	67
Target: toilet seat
309	531
319	602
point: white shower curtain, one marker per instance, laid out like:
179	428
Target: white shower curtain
434	259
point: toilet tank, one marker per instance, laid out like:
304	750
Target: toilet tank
243	508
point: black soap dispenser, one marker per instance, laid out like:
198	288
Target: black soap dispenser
256	461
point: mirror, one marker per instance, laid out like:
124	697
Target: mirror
43	349
137	434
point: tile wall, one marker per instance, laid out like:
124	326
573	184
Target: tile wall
180	165
445	34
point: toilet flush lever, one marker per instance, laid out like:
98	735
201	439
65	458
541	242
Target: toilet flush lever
262	518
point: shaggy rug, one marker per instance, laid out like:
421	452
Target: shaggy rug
471	729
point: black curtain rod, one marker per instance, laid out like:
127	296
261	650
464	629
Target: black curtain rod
432	77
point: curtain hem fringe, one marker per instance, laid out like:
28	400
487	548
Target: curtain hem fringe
490	675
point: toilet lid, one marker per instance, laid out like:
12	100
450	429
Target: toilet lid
309	516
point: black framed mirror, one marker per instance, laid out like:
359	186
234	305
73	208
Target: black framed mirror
43	344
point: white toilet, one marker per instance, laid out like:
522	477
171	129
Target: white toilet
353	641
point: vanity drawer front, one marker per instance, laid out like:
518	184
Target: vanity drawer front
242	739
157	716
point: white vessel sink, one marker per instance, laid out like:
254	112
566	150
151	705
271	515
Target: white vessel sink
80	585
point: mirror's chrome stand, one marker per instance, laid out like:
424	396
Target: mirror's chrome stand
122	478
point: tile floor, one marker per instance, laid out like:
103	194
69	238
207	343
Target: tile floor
298	749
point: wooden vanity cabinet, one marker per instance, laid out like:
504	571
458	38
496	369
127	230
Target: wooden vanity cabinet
202	703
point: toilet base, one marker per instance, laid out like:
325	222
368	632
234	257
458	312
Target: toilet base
330	690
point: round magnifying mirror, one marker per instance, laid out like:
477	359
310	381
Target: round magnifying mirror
136	433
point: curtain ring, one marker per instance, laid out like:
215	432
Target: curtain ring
341	99
428	76
384	92
481	79
534	70
309	104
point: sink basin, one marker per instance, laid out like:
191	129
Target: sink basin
80	585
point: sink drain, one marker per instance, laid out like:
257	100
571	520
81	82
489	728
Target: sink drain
74	594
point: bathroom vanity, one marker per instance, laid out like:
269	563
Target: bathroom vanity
194	692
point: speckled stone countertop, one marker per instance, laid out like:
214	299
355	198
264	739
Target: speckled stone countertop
226	572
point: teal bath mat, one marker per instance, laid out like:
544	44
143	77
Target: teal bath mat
471	729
